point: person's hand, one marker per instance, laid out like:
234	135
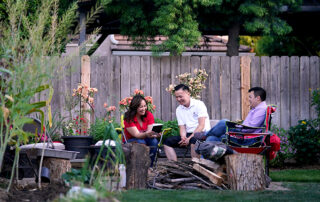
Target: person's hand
152	134
184	141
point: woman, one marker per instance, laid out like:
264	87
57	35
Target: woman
138	122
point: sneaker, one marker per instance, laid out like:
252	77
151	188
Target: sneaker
200	136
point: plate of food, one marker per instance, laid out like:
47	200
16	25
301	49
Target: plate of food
157	127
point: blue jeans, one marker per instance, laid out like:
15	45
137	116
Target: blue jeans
151	142
217	133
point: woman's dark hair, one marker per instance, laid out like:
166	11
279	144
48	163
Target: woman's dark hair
133	107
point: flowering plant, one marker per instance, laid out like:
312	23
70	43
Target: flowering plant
109	110
78	125
195	83
125	102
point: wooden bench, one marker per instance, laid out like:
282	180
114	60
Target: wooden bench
183	152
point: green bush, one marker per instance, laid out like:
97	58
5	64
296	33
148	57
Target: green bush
287	150
98	128
169	124
305	137
315	101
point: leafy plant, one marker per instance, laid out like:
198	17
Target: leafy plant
98	129
287	150
169	124
305	137
315	101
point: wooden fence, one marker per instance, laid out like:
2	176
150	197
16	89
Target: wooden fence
287	80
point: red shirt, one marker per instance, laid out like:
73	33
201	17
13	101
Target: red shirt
148	120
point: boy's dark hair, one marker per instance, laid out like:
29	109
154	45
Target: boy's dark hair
181	86
258	91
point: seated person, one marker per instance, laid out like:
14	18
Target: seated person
192	117
138	122
255	118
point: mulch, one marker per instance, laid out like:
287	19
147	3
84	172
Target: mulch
31	192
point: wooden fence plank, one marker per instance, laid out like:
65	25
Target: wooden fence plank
206	93
116	85
284	93
274	85
155	83
245	85
195	63
175	71
265	76
235	88
255	70
214	83
165	81
225	88
145	75
304	87
75	79
134	73
314	81
85	81
125	76
294	90
185	64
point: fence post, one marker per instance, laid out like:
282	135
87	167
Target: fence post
245	85
85	81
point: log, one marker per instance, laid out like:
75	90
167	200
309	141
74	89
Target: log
245	172
207	163
214	178
57	167
137	164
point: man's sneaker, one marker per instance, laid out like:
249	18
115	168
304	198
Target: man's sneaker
200	136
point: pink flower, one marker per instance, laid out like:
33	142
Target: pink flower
105	105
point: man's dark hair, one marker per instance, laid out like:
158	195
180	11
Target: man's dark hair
258	91
181	86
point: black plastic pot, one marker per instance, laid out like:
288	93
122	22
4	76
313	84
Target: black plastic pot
79	144
105	154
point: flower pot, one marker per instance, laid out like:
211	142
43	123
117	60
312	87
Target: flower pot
79	144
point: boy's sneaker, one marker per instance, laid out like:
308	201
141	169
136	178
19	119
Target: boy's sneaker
200	136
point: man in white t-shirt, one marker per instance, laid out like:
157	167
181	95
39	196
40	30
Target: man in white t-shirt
192	117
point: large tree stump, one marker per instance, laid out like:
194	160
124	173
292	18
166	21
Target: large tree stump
246	171
57	167
137	164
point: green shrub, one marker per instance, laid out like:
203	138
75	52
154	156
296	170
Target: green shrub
169	124
98	128
287	150
305	137
315	101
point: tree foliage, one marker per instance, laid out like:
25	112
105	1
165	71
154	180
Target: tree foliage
183	21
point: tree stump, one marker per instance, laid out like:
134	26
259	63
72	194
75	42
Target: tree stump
57	167
246	171
137	164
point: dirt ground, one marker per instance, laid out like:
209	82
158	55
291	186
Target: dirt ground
30	192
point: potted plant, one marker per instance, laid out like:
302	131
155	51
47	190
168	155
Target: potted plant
75	130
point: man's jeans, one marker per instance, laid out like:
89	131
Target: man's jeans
217	133
152	142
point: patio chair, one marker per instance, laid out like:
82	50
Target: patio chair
243	141
123	138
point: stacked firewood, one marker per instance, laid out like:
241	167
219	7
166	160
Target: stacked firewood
195	174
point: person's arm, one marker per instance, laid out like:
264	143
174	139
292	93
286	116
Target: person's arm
200	127
257	118
141	135
183	134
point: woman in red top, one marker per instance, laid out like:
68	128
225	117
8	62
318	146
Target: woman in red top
138	122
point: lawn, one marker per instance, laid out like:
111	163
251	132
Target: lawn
296	175
306	188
